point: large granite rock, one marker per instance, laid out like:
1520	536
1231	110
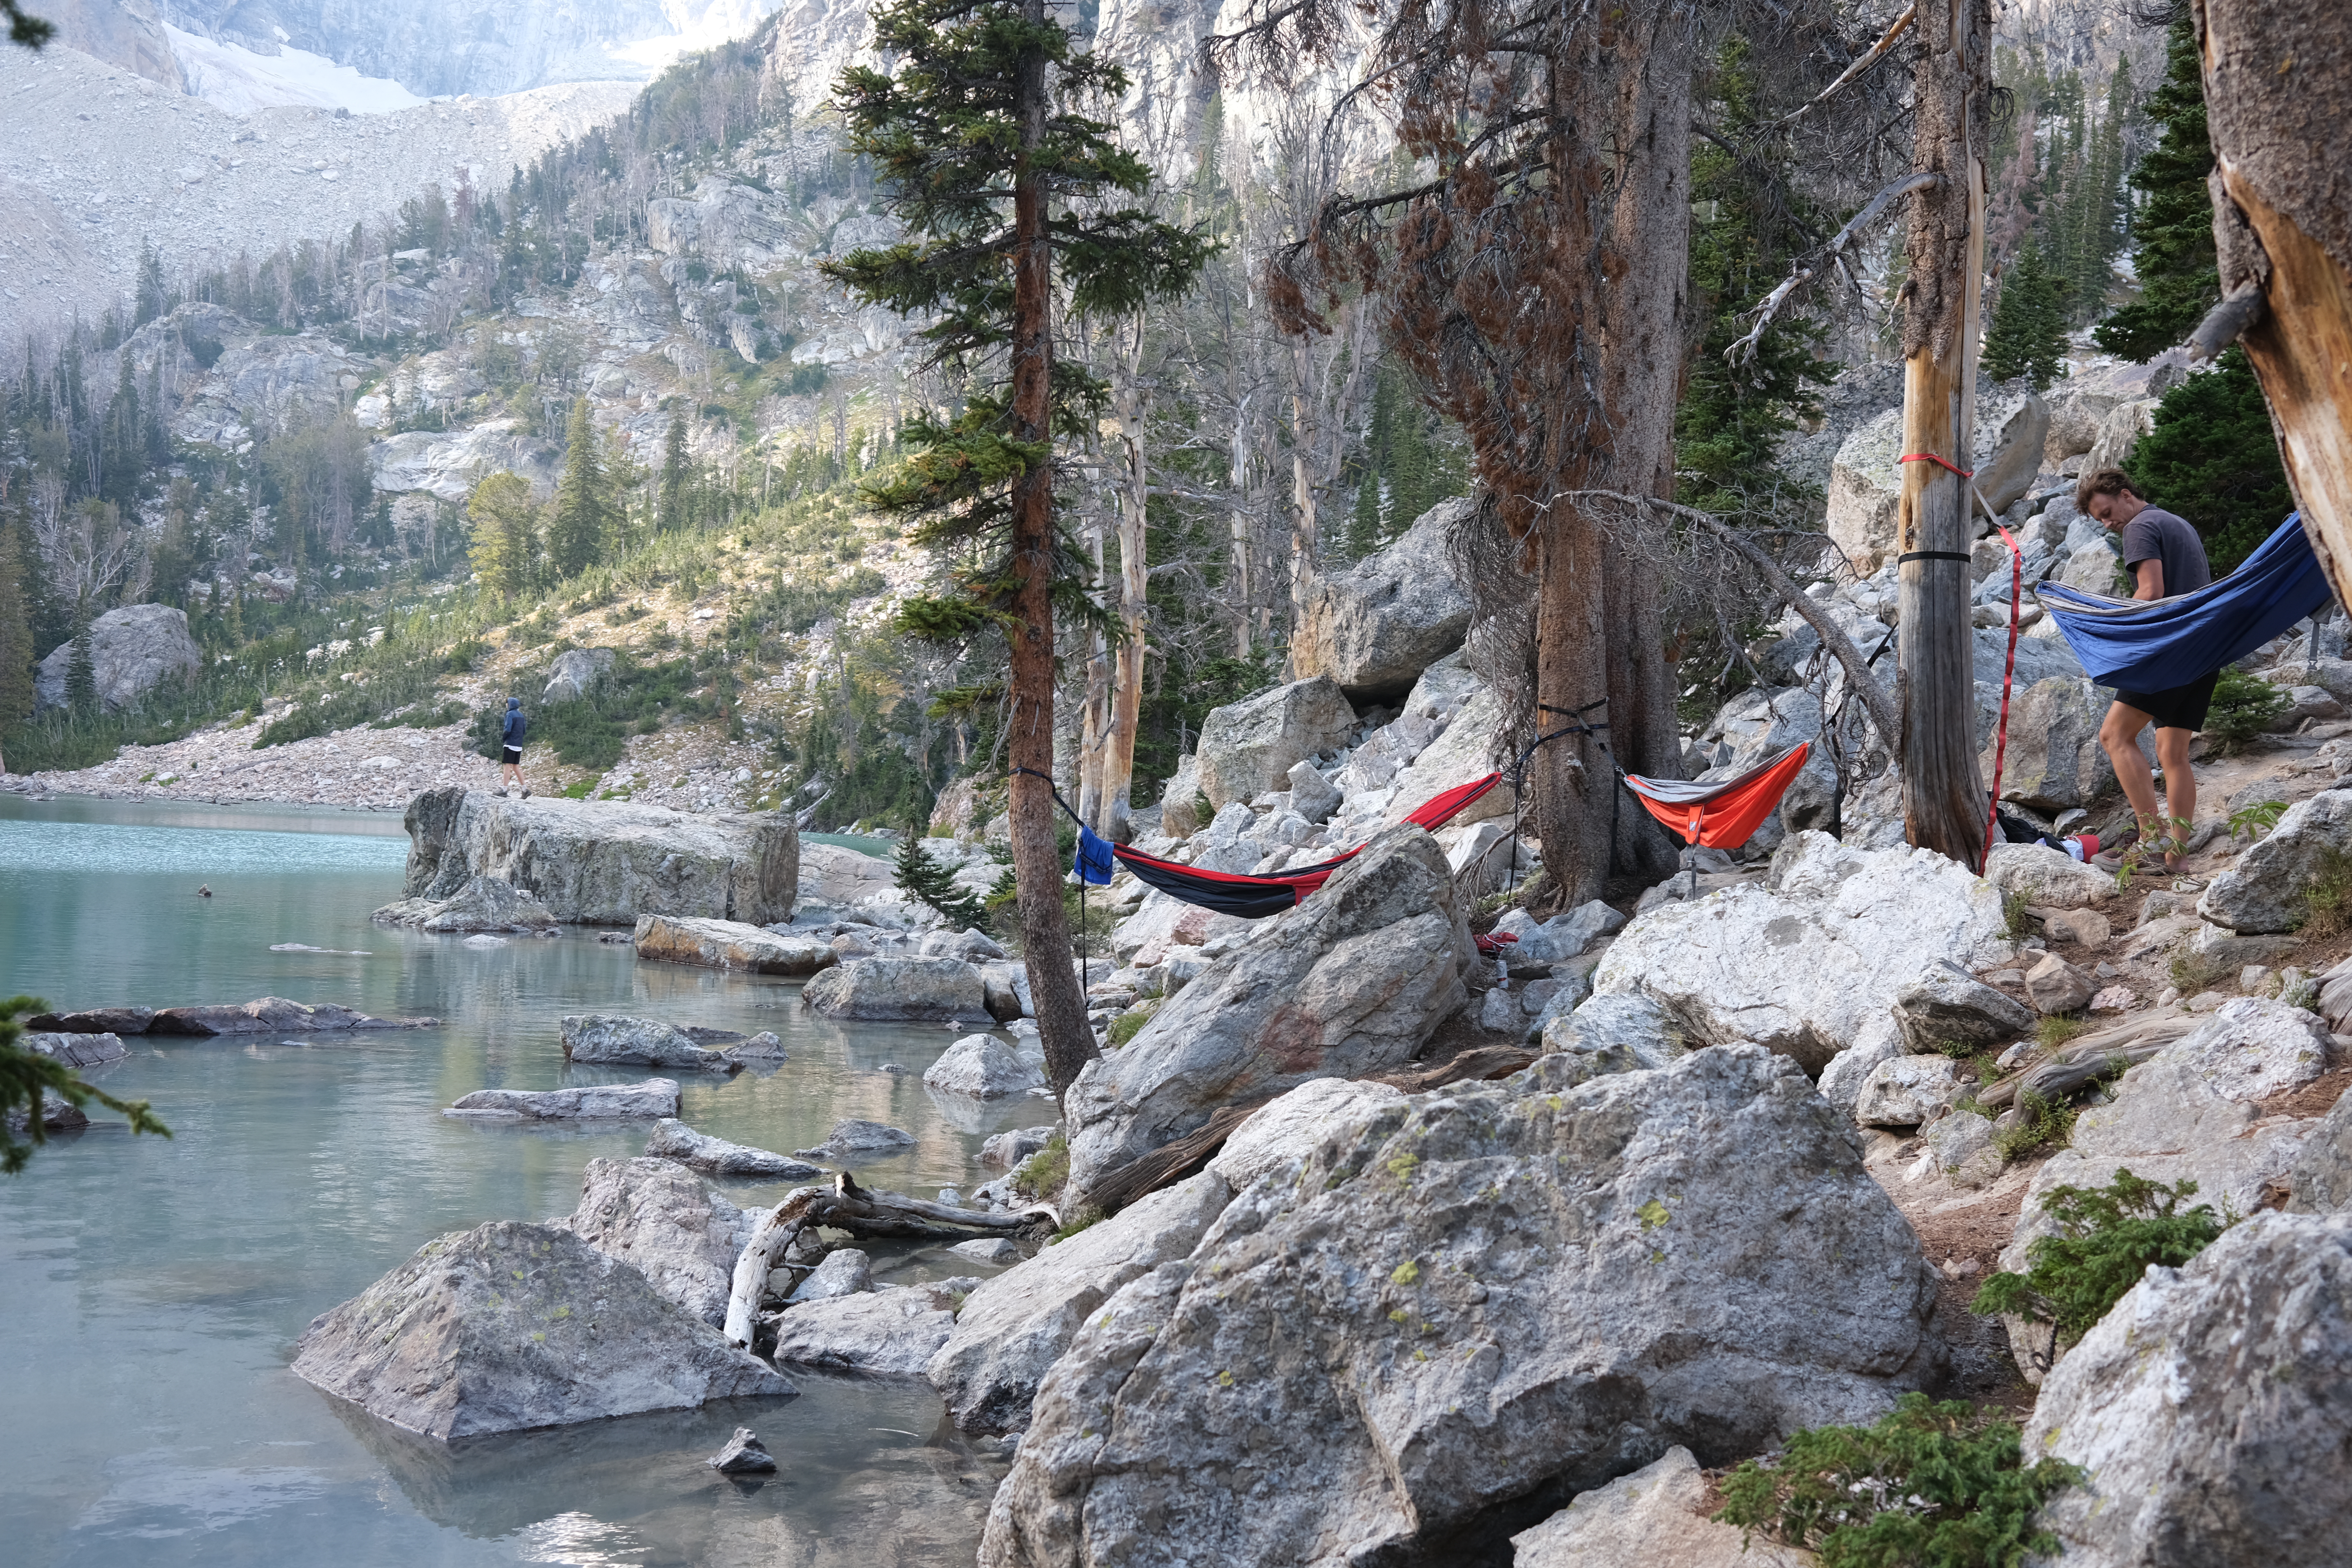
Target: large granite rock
576	673
729	944
483	904
2047	877
2210	1407
1465	751
1350	983
271	1015
605	1040
1376	626
2054	759
891	1333
1656	1517
1866	482
928	990
508	1327
77	1051
1812	964
657	1217
603	862
656	1096
2320	1181
95	1021
981	1066
2264	890
1949	1009
674	1140
132	650
1291	1126
1014	1327
1249	747
1489	1300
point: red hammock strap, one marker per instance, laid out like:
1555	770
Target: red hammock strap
1931	458
1439	809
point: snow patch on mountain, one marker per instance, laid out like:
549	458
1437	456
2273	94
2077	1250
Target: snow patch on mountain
234	78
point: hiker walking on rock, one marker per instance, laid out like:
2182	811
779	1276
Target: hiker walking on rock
2165	560
511	754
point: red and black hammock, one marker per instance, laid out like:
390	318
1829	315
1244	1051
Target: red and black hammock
1721	815
1254	897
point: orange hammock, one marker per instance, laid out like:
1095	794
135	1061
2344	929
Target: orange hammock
1721	815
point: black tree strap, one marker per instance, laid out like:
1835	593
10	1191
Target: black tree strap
1934	555
1057	794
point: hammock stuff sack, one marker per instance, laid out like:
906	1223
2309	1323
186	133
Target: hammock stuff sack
2135	645
1254	897
1721	815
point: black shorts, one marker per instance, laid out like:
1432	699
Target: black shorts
2182	708
513	754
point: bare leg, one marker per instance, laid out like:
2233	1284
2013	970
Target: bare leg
2179	783
2120	738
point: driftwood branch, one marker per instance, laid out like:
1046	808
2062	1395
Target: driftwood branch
2092	1057
1846	77
2228	320
1741	352
861	1212
1875	696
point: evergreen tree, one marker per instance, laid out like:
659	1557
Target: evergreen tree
159	440
577	532
673	476
980	114
81	673
15	634
2213	458
2028	336
124	451
504	549
2172	232
920	877
149	297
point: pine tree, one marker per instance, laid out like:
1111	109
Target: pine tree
505	549
576	534
2028	336
149	293
2172	233
16	635
920	877
81	673
673	476
2213	458
977	116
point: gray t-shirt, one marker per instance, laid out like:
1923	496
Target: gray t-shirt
2157	535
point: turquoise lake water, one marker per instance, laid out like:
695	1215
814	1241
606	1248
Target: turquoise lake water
153	1290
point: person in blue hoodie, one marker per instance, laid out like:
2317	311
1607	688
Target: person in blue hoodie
510	756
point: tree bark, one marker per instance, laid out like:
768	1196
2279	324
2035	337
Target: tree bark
1133	407
1036	861
1943	804
2278	74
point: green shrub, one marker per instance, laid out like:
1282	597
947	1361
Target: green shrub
1041	1175
2243	706
2327	896
2105	1239
1130	1023
2040	1123
1930	1486
2019	924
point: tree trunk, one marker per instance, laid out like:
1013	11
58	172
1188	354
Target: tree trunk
1305	531
1094	710
1133	407
1943	804
1037	862
2278	74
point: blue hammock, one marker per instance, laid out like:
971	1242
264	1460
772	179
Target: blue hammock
2141	646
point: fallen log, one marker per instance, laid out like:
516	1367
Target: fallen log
1172	1163
1477	1065
864	1213
2092	1056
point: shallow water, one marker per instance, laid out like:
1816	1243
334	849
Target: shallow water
152	1290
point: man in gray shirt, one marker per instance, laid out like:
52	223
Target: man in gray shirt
2166	558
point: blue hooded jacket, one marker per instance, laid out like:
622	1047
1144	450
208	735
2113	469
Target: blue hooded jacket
515	725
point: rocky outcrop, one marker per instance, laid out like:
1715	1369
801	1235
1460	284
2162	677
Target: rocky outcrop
483	904
1249	747
1866	482
607	1039
508	1327
1903	1091
1348	983
925	990
576	673
729	944
1949	1009
2209	1406
272	1016
1291	1127
2320	1181
1014	1327
1657	1516
656	1096
674	1140
656	1216
2264	891
2054	760
2047	877
982	1068
77	1051
133	651
1376	626
603	862
1501	1295
893	1332
1812	964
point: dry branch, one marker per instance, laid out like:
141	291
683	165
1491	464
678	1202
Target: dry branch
1877	52
2090	1058
1741	352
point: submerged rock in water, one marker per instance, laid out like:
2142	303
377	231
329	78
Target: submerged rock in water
893	1331
507	1327
983	1068
926	990
674	1140
743	1456
611	1040
1502	1294
729	944
654	1215
73	1050
654	1096
483	904
858	1139
272	1016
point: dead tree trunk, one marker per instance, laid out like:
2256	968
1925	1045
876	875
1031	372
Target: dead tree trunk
1943	797
2278	76
1132	405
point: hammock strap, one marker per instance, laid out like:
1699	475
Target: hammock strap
1519	769
1057	794
2008	676
1931	458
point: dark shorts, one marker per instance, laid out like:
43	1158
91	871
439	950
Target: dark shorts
2182	708
514	753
